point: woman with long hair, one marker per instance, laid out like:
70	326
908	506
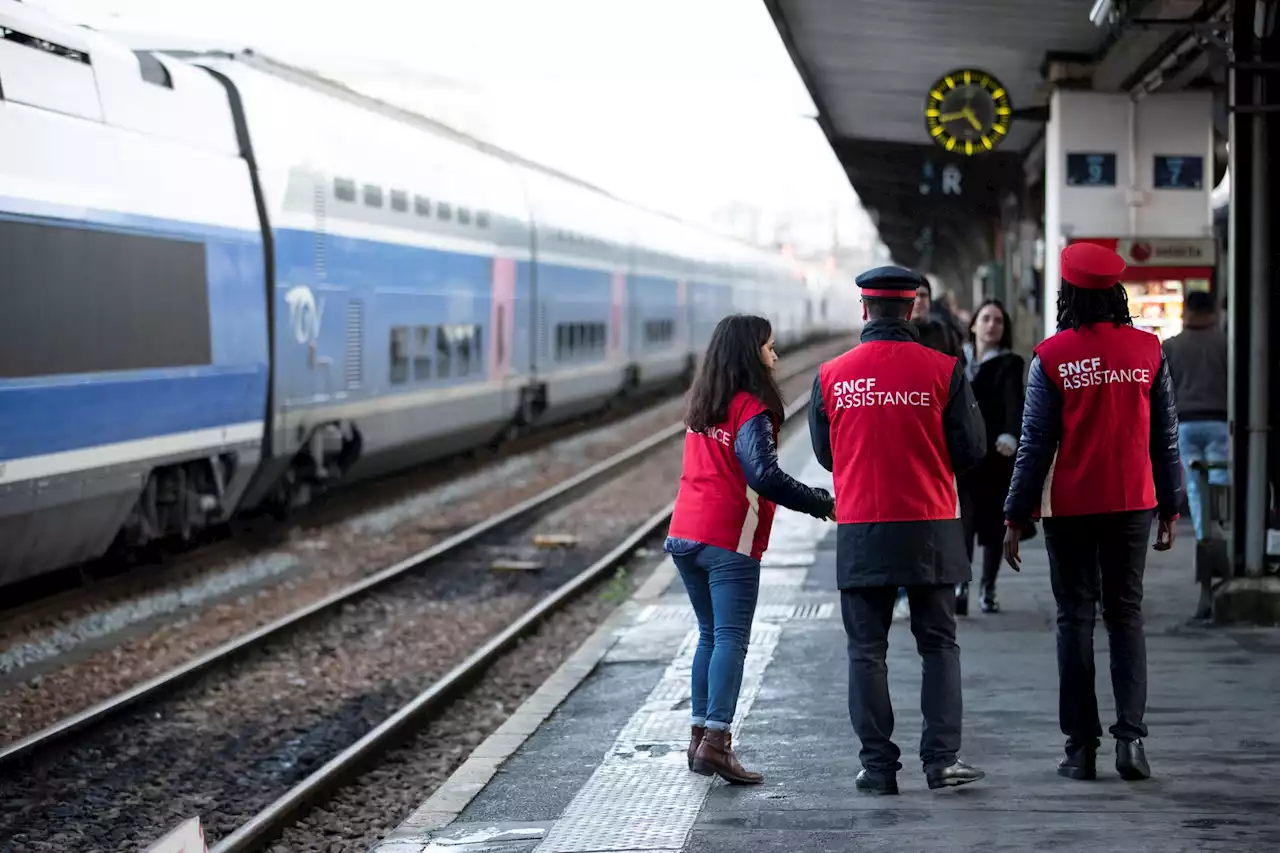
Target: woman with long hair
724	510
995	373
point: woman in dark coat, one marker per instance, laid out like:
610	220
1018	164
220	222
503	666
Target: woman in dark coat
996	375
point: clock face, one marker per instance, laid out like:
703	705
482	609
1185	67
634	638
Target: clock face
968	112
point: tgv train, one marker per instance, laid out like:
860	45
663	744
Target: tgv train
226	283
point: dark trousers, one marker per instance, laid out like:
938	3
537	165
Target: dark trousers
993	554
868	613
1099	558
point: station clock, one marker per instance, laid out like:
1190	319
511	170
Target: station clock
968	112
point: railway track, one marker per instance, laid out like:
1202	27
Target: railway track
269	823
111	643
389	633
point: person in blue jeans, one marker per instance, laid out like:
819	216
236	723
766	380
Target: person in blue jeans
1197	359
729	488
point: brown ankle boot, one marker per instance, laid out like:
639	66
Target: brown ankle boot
715	755
695	740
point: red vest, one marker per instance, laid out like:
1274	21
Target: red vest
1103	463
884	400
714	505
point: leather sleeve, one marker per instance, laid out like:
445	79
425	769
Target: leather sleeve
962	420
1041	431
819	425
758	454
1166	461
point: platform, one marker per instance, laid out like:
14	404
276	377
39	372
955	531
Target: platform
595	760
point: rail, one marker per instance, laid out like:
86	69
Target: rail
25	748
312	791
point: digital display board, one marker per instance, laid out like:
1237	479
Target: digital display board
1091	169
1177	172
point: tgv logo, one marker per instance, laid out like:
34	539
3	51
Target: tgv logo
305	314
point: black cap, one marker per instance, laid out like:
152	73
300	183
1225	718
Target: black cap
891	282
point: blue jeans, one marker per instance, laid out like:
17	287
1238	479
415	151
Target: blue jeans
1207	440
723	587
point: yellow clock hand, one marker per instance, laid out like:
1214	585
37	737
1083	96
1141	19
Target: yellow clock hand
951	116
973	119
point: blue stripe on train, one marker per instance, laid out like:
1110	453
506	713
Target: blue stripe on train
50	419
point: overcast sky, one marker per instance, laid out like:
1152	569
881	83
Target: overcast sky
682	105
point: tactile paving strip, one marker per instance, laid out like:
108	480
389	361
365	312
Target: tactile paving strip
643	797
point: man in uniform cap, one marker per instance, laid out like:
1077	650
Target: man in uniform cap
1099	452
895	422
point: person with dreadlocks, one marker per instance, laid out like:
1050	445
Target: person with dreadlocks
1098	453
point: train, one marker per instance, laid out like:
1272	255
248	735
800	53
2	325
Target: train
228	283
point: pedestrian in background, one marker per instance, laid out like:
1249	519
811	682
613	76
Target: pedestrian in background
995	372
938	328
1098	453
1198	363
895	422
720	527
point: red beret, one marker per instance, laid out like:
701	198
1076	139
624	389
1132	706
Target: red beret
1090	266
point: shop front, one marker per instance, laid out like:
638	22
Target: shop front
1160	272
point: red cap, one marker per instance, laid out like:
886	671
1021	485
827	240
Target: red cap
1090	266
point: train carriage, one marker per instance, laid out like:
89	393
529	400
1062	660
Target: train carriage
229	283
133	339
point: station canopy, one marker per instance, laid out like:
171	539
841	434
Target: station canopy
884	74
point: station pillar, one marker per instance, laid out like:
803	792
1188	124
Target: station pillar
1136	177
1252	593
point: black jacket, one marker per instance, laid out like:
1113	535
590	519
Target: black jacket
906	553
997	385
757	453
1042	430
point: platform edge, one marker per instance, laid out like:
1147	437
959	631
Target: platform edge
474	774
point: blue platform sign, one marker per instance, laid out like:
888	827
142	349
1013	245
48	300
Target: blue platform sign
1178	173
1091	170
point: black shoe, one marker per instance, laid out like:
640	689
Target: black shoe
953	776
880	783
1131	760
962	599
1081	764
988	602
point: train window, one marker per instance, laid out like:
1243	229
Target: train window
422	353
399	200
421	205
482	219
15	37
597	340
399	355
123	301
464	336
444	360
464	216
344	189
560	342
659	331
372	195
444	211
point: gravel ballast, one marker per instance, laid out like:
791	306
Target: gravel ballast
236	739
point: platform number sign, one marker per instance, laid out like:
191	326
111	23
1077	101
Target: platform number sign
1091	170
1178	173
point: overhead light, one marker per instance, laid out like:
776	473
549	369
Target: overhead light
1102	13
